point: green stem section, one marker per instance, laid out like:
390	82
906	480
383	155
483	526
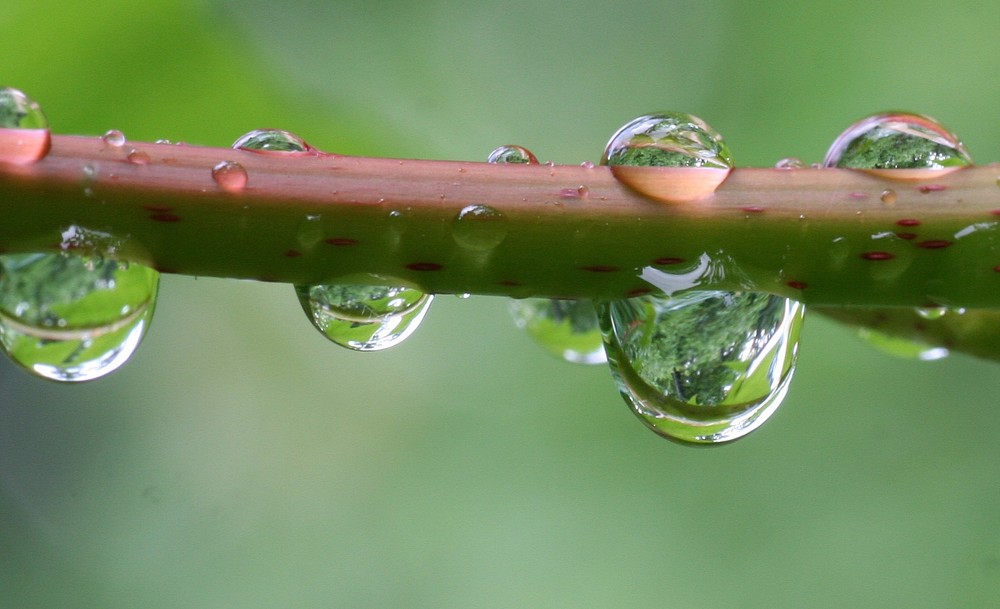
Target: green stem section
822	236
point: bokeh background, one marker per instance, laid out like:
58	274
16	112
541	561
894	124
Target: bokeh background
242	461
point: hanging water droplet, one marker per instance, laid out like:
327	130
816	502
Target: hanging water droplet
271	140
898	141
73	318
364	317
701	158
479	227
512	155
702	367
230	176
113	138
24	130
566	328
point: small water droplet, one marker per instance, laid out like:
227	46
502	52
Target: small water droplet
512	155
587	165
67	317
310	231
790	162
931	313
24	130
464	295
230	176
113	138
897	140
479	227
703	367
272	140
566	328
138	157
364	317
888	196
669	139
163	141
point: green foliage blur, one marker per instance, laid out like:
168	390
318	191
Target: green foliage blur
242	461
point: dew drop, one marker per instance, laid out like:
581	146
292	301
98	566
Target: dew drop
113	138
790	162
230	176
310	231
512	155
888	196
138	157
669	139
897	140
364	317
566	328
24	130
271	140
73	318
704	367
479	227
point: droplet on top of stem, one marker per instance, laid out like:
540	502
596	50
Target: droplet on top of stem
900	145
364	317
700	157
271	140
704	367
512	155
24	130
66	317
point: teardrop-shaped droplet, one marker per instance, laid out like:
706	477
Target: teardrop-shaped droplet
512	155
230	176
703	367
73	318
271	140
566	328
479	227
24	130
669	139
897	140
364	317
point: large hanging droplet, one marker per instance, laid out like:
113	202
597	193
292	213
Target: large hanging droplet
24	130
566	328
73	318
703	367
669	139
898	141
364	317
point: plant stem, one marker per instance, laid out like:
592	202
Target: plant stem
822	236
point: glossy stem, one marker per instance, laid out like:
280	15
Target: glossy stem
823	236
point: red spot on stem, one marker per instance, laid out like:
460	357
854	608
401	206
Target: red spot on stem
424	266
797	285
753	209
931	188
638	292
907	236
878	255
164	217
934	244
600	268
293	253
908	222
341	241
668	260
509	283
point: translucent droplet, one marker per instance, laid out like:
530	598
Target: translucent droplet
24	130
512	155
479	227
230	176
566	328
138	157
73	318
114	138
703	367
897	140
888	196
669	139
790	162
271	140
364	317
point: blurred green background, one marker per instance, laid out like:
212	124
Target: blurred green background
242	461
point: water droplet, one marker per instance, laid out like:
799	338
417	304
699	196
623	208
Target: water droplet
898	141
669	139
704	367
790	162
73	318
566	328
272	140
24	130
310	231
587	165
230	176
113	138
364	317
512	155
138	157
897	346
479	227
888	197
